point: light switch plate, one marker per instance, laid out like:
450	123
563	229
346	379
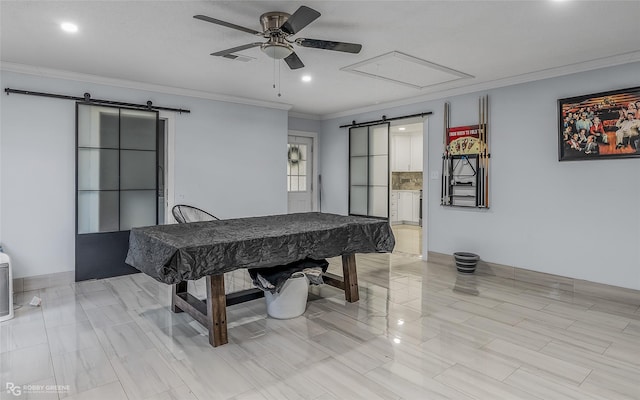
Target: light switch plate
435	174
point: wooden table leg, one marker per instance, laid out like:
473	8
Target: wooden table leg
350	278
175	290
216	310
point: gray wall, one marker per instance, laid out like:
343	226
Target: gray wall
304	125
576	219
228	159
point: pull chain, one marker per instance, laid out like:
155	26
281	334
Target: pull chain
274	77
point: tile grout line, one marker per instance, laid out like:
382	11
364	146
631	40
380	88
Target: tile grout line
106	355
46	330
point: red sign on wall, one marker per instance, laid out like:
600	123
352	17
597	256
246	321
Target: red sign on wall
462	131
465	140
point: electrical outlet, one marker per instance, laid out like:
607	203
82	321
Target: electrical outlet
435	174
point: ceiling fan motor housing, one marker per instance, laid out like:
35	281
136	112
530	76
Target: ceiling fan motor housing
272	21
277	47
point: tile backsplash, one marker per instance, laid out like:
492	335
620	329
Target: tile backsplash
406	180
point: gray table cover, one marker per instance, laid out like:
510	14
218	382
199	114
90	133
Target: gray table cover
179	252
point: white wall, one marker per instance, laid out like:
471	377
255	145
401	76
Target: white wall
578	219
229	160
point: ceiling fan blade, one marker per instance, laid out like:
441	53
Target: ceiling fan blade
328	45
293	61
227	24
301	18
234	49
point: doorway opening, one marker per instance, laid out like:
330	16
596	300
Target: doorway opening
162	168
406	191
301	172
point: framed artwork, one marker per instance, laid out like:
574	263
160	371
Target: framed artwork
600	125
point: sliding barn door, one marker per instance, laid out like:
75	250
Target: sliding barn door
369	171
116	185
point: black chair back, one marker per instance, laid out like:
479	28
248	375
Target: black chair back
185	214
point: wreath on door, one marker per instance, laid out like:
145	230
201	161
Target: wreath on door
294	155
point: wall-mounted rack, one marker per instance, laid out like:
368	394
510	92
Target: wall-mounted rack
465	161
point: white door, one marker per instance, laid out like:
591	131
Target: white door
300	174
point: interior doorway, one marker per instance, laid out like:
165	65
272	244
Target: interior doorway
406	191
162	175
301	175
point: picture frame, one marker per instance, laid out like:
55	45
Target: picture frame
599	126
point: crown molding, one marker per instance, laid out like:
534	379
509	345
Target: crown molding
599	63
101	80
314	117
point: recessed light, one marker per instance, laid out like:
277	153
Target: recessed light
306	78
396	340
69	27
402	128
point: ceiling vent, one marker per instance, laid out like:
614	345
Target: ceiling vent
239	57
406	70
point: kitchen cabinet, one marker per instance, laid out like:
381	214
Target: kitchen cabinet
415	163
407	153
405	206
401	153
394	206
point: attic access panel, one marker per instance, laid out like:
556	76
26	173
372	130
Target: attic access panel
405	70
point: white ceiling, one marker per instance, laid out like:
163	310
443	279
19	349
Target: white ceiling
158	42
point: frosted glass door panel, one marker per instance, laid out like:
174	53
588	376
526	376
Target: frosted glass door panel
358	200
378	201
378	140
137	169
97	211
138	130
369	170
107	171
97	169
359	141
97	127
359	170
137	208
379	170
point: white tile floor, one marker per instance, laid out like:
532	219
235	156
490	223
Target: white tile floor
419	331
408	239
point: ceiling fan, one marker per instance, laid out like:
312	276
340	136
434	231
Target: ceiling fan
277	27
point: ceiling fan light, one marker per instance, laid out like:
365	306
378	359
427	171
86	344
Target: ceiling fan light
277	50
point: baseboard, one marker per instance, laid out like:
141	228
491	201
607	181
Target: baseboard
557	282
43	281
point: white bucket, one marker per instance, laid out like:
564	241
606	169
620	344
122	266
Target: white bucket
6	288
291	302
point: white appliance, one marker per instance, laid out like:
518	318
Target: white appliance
6	288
